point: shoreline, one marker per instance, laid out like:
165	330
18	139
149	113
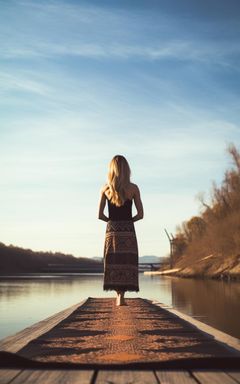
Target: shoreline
178	272
214	266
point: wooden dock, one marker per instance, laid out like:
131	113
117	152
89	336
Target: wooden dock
95	342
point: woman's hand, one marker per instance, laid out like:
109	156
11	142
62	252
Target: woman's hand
138	204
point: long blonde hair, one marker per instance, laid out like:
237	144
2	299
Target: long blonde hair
118	179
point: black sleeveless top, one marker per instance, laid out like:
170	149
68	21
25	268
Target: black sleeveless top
120	213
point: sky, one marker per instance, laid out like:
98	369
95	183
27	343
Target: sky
81	81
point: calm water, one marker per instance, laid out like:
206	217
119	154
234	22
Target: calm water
27	299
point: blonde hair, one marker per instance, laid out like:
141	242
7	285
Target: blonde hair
118	179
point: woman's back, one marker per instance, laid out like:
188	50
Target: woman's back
124	212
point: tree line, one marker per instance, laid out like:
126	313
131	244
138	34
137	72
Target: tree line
216	231
15	259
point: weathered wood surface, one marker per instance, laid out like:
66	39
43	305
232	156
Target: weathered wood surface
235	375
229	342
17	341
124	377
213	377
180	377
28	376
7	375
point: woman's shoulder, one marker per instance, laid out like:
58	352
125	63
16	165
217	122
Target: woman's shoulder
133	189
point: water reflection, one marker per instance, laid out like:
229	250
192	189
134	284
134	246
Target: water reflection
215	302
27	299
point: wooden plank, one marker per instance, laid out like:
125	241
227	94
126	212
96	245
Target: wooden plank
17	341
29	376
6	375
213	377
125	377
235	375
175	377
229	342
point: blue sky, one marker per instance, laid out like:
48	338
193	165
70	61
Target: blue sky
81	81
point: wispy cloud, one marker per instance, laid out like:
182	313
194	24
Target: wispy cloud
94	32
184	50
9	81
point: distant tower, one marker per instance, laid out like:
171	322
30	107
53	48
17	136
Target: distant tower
171	241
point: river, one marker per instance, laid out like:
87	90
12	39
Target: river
27	299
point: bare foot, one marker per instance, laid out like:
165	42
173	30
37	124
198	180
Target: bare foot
120	299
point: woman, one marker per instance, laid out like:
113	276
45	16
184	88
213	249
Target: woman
120	247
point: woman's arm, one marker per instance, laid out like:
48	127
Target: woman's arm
102	203
138	204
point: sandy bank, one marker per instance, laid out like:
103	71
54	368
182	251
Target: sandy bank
210	266
165	272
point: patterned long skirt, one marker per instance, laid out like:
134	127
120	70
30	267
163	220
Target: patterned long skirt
120	256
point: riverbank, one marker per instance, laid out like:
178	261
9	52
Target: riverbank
211	266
